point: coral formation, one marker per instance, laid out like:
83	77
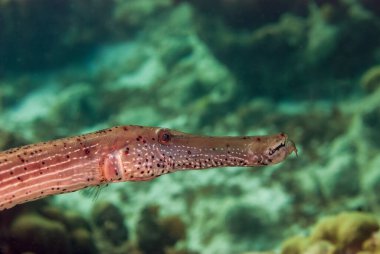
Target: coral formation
370	80
317	42
294	245
82	242
33	233
222	67
110	221
344	233
9	139
156	235
33	227
245	221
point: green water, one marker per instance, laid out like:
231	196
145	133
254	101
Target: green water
223	67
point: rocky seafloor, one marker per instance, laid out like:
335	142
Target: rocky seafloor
225	67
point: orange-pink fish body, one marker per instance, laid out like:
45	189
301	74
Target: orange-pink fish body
124	153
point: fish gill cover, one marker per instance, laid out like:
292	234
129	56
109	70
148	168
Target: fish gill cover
222	67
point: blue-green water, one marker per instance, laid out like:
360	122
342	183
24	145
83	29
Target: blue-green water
310	69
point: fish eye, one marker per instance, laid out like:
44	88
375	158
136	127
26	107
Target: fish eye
164	136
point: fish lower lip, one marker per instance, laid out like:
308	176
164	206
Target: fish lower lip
271	152
279	146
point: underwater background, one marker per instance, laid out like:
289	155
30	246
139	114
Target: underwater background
310	69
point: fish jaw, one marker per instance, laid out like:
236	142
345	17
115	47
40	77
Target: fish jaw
269	150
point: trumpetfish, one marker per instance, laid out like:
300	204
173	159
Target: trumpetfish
125	153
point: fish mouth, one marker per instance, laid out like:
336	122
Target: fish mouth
278	147
286	145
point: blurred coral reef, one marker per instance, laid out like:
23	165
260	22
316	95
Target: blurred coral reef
349	232
223	67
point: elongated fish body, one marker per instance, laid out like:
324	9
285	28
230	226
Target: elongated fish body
124	153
